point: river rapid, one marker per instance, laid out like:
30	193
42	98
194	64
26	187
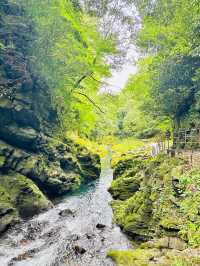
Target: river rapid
78	231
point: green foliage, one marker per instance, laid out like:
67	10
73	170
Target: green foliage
144	257
69	53
190	208
142	117
166	87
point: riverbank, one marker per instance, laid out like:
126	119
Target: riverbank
157	205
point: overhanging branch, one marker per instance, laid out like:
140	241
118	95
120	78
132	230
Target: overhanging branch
90	100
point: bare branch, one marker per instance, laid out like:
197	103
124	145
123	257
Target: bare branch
90	100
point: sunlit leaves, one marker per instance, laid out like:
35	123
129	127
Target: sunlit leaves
66	51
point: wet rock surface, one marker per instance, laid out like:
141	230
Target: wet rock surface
100	226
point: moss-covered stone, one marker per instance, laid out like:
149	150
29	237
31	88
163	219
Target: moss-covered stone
145	211
2	161
163	213
8	213
138	257
54	170
156	256
24	195
123	188
19	197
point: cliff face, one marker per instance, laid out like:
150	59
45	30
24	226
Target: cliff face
33	165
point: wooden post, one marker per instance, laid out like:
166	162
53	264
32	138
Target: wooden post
185	138
173	153
191	158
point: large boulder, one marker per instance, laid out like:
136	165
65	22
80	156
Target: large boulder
20	197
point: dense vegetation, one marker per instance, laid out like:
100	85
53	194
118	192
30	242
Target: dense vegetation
75	50
76	46
165	91
55	57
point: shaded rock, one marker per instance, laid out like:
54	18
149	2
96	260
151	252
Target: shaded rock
79	250
25	138
90	236
100	226
66	212
68	163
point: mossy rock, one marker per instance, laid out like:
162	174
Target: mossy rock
123	188
156	256
146	210
165	209
137	257
131	164
8	213
58	186
23	195
135	215
2	161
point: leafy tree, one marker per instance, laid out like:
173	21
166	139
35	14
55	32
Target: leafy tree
70	54
170	37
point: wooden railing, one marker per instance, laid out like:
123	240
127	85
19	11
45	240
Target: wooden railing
184	143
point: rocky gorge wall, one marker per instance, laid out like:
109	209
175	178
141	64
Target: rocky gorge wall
34	166
157	203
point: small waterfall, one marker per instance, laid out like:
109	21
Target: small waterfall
156	148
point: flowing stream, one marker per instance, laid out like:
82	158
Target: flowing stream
68	233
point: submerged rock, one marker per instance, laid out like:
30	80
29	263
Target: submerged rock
66	212
79	250
100	226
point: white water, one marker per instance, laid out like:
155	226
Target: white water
49	239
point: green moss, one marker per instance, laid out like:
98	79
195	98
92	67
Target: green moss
172	222
8	213
155	256
23	194
2	161
165	208
153	208
137	257
123	188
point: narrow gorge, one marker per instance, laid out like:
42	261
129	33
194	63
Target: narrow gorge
99	133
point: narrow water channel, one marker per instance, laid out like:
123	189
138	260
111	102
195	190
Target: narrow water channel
68	233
